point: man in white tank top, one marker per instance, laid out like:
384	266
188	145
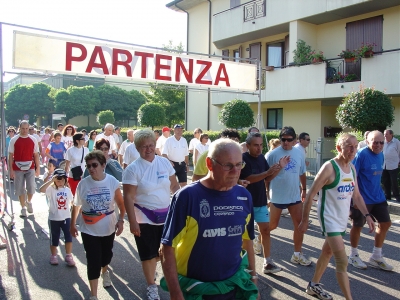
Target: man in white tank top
337	183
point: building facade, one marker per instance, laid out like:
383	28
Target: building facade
305	97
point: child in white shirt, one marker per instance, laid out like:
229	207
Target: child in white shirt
60	199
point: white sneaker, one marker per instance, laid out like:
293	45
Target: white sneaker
23	212
106	279
301	259
257	245
356	261
152	292
380	263
285	212
29	206
271	268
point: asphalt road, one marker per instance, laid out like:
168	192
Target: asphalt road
25	272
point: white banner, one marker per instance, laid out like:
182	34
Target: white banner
81	58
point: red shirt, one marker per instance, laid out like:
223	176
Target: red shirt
23	149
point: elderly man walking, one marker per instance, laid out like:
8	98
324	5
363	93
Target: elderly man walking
211	218
391	154
24	165
108	135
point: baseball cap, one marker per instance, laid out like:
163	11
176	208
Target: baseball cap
164	129
59	173
178	126
83	130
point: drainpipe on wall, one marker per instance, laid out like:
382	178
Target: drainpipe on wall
187	50
209	52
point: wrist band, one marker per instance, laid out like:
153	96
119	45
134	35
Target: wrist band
121	220
254	277
367	215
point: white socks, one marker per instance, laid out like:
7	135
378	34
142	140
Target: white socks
354	252
376	253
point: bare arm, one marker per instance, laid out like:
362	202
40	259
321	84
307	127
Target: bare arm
44	187
158	151
37	164
168	262
129	201
67	164
174	184
120	202
303	182
74	216
10	164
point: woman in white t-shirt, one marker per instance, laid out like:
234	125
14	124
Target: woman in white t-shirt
94	205
147	183
200	147
67	136
74	158
59	198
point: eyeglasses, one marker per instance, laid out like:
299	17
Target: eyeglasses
104	149
93	165
378	142
287	140
228	167
82	139
308	140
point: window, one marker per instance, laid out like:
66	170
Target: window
236	55
234	3
274	118
275	54
225	53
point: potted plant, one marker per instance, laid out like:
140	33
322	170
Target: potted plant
366	50
316	57
269	68
349	56
350	77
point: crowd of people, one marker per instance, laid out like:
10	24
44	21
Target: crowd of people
92	181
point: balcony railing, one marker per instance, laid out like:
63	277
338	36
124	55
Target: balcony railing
253	10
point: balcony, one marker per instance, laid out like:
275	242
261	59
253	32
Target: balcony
309	82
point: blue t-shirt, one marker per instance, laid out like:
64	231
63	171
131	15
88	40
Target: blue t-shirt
207	227
285	187
57	151
255	165
369	167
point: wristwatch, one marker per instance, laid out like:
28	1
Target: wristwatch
366	215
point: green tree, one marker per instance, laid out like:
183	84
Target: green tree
236	114
124	104
151	114
366	109
172	98
105	116
33	100
76	101
302	53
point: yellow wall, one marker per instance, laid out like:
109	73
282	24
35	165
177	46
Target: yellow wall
197	110
198	29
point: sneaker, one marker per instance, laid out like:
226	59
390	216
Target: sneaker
23	212
284	212
53	260
380	263
271	268
318	291
93	298
152	292
301	259
356	261
256	226
257	246
106	279
69	260
29	205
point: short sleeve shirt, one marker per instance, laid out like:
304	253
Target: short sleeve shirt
74	156
131	154
208	224
59	202
284	188
153	185
201	166
176	150
109	138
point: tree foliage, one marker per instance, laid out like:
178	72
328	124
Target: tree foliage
105	116
124	104
172	98
236	114
34	100
76	101
151	114
302	53
366	109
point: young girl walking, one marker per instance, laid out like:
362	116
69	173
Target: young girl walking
60	199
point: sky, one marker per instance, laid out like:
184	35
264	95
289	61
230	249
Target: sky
143	22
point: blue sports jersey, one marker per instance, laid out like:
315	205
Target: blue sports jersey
369	167
206	227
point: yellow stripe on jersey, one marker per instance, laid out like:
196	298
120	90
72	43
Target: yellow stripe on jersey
184	243
245	235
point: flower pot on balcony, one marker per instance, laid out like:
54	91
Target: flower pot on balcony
269	68
349	60
316	61
368	54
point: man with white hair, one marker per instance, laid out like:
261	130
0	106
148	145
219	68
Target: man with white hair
212	211
108	135
130	135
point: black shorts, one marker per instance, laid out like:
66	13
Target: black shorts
149	241
285	206
180	171
379	212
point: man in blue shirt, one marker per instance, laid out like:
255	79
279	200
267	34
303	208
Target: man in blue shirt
369	166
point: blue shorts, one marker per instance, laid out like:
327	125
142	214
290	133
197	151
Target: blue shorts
286	205
261	214
55	230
